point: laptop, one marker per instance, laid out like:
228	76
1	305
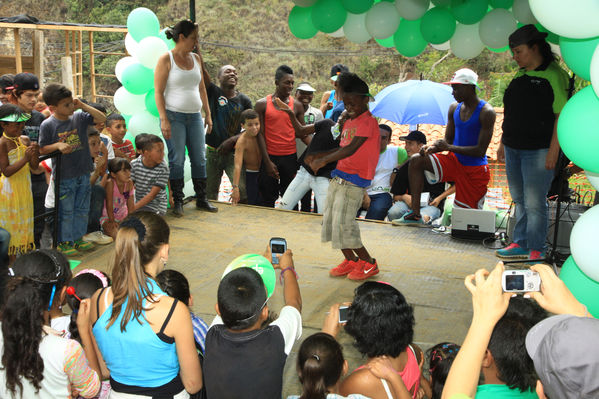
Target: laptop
472	224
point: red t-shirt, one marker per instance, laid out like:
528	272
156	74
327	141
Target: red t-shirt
126	148
363	161
278	130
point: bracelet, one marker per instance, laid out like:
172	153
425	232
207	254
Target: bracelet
281	278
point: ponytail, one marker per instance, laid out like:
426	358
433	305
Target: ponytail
185	27
84	285
138	240
319	365
22	323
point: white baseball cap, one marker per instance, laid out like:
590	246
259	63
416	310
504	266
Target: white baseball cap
305	87
464	76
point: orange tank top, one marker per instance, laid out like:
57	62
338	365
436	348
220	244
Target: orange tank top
278	130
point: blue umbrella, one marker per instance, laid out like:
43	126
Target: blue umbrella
414	102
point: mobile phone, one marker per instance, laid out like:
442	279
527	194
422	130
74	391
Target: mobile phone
278	246
520	281
343	314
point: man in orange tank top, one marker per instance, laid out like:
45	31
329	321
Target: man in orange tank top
277	138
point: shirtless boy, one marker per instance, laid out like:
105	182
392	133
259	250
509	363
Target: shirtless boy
248	156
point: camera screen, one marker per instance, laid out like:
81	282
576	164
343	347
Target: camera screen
514	282
342	315
277	248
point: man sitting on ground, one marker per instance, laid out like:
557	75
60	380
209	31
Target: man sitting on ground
467	136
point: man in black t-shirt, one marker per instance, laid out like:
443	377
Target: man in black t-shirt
226	105
23	93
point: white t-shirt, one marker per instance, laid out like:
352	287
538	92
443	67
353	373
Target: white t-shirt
388	160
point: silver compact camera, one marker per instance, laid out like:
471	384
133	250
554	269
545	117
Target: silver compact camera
520	281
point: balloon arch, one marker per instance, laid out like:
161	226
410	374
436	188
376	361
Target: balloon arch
464	26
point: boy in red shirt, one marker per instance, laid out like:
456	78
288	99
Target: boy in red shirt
357	158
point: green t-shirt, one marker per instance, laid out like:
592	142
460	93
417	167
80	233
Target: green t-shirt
496	391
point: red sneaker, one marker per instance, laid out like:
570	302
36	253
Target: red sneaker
364	271
344	268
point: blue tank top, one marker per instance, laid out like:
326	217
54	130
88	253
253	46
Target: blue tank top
137	356
466	135
334	101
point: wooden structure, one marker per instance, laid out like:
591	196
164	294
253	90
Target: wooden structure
72	75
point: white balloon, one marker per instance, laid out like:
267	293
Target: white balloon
583	243
144	122
574	19
595	71
128	103
465	42
412	9
496	27
337	33
149	50
522	12
441	47
121	65
593	178
131	45
355	28
382	20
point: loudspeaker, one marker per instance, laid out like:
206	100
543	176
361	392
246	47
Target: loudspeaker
569	214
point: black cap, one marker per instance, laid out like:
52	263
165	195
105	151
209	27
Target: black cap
415	135
337	69
26	81
526	34
6	81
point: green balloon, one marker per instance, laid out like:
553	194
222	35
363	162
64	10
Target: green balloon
437	25
142	22
551	37
581	286
499	50
260	264
469	12
507	4
138	79
442	3
577	54
578	129
300	22
357	6
170	43
150	102
408	39
328	15
388	42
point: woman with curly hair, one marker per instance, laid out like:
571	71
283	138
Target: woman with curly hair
381	323
36	361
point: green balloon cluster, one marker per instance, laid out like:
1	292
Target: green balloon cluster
581	286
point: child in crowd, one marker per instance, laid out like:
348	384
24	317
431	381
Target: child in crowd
41	106
81	287
176	285
36	362
67	132
150	174
140	140
247	155
440	358
357	159
117	128
120	196
243	360
16	158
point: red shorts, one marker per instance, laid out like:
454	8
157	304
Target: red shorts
470	181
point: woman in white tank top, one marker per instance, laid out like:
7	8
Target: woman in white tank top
180	97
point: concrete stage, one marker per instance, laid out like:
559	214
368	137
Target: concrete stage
428	268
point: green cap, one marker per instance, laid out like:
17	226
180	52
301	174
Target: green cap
16	117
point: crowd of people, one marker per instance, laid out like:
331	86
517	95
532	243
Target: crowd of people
132	334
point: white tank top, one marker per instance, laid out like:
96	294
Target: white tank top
182	93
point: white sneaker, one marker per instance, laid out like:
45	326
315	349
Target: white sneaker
97	237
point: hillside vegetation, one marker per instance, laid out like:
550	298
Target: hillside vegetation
253	36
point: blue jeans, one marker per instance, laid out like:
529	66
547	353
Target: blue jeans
96	205
529	184
379	205
74	208
187	130
400	208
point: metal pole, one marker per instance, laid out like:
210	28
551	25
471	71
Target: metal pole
192	10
